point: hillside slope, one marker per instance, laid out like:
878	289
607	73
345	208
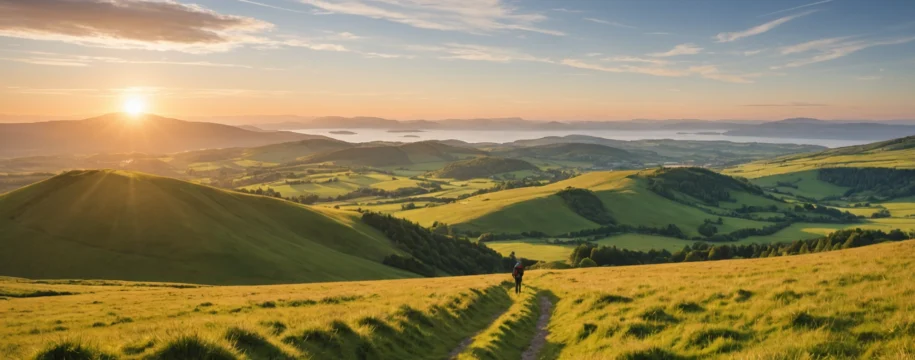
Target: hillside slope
394	155
625	194
482	167
108	224
118	133
897	153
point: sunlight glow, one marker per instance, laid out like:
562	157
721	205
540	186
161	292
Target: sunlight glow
134	106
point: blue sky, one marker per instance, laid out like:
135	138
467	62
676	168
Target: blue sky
550	60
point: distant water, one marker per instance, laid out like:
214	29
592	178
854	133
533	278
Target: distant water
502	136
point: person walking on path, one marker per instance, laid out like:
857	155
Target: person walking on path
518	273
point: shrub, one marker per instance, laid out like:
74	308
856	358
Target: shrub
587	263
69	350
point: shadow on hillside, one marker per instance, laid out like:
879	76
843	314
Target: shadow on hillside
407	333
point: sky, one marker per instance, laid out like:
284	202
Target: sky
436	59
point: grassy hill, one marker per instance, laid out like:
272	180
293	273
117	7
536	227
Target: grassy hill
107	224
569	152
482	167
395	155
840	304
898	153
625	194
119	133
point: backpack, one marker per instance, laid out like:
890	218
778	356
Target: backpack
518	271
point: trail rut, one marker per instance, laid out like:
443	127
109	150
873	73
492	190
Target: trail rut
546	310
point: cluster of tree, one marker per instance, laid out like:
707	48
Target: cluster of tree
450	255
882	213
883	182
366	192
786	184
703	184
842	239
408	206
670	230
503	185
268	192
836	214
586	204
708	228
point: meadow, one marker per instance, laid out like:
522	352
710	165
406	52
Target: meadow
855	303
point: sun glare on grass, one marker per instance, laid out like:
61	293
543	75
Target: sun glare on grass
134	106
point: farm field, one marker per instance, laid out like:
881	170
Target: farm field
842	304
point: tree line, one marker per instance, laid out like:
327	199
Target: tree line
432	253
841	239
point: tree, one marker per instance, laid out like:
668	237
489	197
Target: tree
707	229
696	255
720	221
586	263
485	237
804	249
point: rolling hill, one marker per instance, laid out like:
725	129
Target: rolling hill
396	154
119	133
898	154
820	129
569	152
482	167
626	195
106	224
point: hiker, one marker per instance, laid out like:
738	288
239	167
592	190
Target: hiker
518	273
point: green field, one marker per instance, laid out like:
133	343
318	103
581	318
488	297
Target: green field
537	208
105	224
807	184
842	304
537	249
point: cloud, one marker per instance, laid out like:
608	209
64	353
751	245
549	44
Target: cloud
788	104
611	23
753	52
706	71
57	59
636	59
682	49
271	6
834	48
756	30
593	54
795	8
566	10
128	24
454	51
349	36
470	16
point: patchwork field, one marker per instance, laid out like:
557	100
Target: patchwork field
853	303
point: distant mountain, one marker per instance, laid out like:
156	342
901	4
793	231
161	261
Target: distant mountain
119	133
805	128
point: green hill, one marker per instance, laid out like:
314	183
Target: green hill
897	154
569	152
626	196
482	167
290	151
396	155
104	224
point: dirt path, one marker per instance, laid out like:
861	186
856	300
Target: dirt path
469	340
546	309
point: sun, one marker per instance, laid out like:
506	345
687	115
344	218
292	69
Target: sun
134	106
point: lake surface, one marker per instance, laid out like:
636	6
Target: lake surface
503	136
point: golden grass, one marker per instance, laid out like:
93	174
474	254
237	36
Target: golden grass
857	303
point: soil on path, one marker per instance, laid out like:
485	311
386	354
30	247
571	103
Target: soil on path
546	307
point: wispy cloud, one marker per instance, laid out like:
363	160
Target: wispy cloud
759	29
753	52
593	54
682	49
472	52
705	71
636	59
834	48
567	10
611	23
470	16
151	25
788	104
272	6
57	59
795	8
